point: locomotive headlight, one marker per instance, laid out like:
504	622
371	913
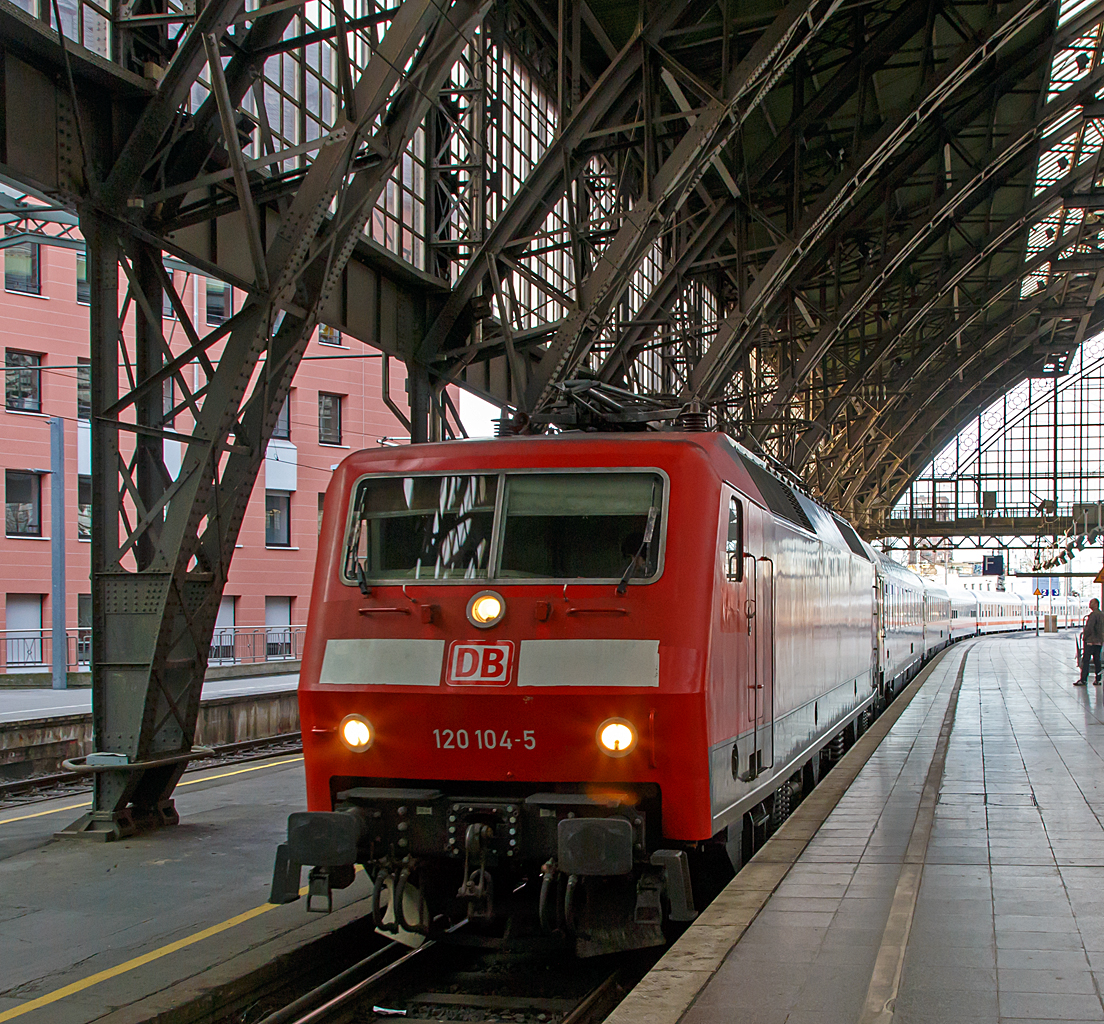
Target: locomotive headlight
616	737
356	732
486	609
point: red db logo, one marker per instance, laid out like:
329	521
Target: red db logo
479	663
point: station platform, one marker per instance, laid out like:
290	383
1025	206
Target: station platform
949	869
33	703
122	932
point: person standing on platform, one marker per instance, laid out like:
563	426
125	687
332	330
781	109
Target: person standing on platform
1092	636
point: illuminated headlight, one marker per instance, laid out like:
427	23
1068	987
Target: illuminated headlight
486	609
616	737
356	732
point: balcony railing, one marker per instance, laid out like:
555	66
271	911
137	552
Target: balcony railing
31	650
248	645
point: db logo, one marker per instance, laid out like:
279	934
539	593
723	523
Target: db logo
479	663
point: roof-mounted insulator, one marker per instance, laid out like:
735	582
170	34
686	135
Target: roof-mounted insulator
692	419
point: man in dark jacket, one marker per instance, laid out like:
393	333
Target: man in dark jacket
1092	636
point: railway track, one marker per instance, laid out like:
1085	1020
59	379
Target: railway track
439	983
46	787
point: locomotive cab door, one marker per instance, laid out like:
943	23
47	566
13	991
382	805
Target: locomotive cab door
757	574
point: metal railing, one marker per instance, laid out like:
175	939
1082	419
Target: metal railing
248	645
1047	510
32	650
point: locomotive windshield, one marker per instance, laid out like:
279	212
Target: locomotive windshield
559	526
427	527
584	525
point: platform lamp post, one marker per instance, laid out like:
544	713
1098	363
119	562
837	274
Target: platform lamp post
59	645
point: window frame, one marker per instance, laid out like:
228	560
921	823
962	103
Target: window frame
332	344
84	481
284	417
286	496
497	528
35	370
36	261
37	503
83	284
84	369
227	305
340	417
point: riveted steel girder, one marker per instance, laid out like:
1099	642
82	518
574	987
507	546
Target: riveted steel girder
163	542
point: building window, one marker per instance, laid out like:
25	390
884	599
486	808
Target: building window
84	508
23	385
321	502
21	267
23	504
84	289
328	335
84	628
23	615
278	628
329	419
168	402
277	519
84	389
167	310
282	430
220	302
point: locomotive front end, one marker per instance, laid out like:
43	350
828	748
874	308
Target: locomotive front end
497	661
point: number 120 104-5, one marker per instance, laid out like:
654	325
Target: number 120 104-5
485	739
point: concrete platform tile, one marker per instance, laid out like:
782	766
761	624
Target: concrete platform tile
661	998
747	983
1026	979
781	851
733	898
1056	922
760	874
1051	1006
934	998
836	994
735	918
703	948
1017	939
1057	959
810	890
783	902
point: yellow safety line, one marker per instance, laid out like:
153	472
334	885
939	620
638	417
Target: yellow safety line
39	814
145	958
240	771
138	961
190	782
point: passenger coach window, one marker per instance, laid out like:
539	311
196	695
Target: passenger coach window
416	528
581	526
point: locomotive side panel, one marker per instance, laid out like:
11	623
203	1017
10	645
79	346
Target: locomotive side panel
811	604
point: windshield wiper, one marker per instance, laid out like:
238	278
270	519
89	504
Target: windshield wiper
645	545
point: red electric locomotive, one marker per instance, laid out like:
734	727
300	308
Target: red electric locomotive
557	681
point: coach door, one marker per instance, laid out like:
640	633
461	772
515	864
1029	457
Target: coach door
759	607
